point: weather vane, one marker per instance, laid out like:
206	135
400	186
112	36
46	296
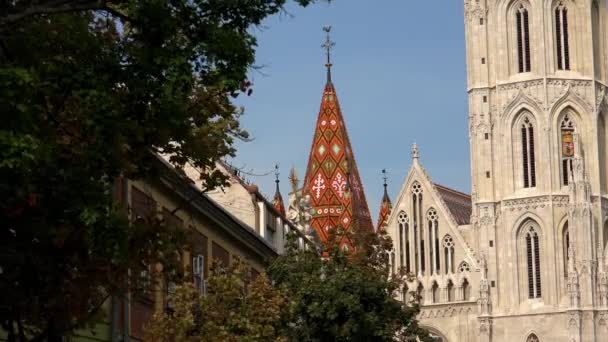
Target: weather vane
328	45
276	173
384	176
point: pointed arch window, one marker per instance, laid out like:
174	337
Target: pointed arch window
433	225
528	155
532	338
448	253
451	291
523	38
532	246
561	37
466	290
566	247
404	241
435	292
418	228
567	151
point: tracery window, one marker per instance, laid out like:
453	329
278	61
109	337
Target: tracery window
567	150
527	153
448	252
523	38
433	224
464	267
561	37
418	228
532	338
404	241
532	246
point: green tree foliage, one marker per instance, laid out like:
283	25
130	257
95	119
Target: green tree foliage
236	308
344	296
88	89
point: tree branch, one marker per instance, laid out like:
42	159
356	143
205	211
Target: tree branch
60	7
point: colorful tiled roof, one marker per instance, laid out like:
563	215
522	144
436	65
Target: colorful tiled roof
458	203
332	178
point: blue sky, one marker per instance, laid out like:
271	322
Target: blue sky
399	72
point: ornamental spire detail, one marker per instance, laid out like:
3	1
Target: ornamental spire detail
385	205
332	179
277	201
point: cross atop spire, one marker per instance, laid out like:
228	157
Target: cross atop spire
328	45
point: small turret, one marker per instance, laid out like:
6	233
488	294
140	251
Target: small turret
386	205
277	201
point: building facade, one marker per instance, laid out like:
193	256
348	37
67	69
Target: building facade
530	263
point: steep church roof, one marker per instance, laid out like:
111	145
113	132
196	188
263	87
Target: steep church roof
332	178
385	206
458	203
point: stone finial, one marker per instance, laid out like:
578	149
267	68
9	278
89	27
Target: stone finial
415	151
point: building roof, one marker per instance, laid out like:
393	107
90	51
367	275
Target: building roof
332	178
458	203
277	201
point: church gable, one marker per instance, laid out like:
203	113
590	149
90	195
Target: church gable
424	227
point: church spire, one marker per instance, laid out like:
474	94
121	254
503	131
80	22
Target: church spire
332	179
328	45
277	201
386	205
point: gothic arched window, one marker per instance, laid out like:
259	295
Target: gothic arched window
404	241
567	149
566	247
435	292
532	248
448	252
561	37
451	291
433	239
466	290
532	338
528	155
418	228
464	267
523	38
419	293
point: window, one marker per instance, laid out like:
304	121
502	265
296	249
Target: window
198	272
433	240
219	254
404	241
566	247
419	293
532	338
561	37
143	207
528	154
532	245
418	228
464	267
466	290
451	291
605	234
523	39
435	292
480	21
448	252
567	150
483	60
